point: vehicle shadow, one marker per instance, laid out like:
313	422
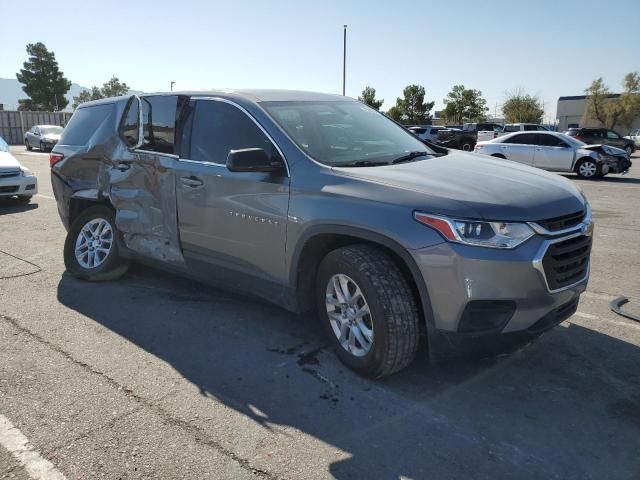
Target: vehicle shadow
566	406
13	205
620	179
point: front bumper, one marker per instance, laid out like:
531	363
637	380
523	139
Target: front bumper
22	185
618	164
477	291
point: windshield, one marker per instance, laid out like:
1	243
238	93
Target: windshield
50	130
3	145
574	142
344	133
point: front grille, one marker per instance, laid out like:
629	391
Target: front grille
567	262
9	174
11	189
560	223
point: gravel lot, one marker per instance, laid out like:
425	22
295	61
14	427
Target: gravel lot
158	377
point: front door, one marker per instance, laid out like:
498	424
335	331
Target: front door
519	148
552	153
232	224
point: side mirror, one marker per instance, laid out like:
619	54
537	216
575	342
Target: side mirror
37	134
253	160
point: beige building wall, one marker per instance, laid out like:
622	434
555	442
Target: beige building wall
571	110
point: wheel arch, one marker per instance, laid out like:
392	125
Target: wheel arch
499	155
322	239
83	199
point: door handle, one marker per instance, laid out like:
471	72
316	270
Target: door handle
192	181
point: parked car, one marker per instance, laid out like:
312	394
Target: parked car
427	132
523	127
44	137
635	137
558	153
483	131
15	180
318	203
456	138
602	136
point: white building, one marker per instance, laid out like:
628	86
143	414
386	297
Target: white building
571	110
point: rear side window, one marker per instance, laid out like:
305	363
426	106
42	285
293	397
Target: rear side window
523	139
219	127
511	128
418	131
550	141
129	128
529	128
84	123
159	123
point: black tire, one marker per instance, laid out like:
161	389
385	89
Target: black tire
498	155
41	146
584	161
112	266
394	313
467	147
29	147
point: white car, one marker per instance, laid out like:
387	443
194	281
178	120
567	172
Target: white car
427	132
15	180
635	136
558	153
43	137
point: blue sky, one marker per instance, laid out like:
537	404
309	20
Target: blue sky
547	48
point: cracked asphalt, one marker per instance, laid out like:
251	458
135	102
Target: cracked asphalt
157	377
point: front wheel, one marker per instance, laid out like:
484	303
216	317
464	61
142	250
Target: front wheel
91	247
29	147
368	310
588	168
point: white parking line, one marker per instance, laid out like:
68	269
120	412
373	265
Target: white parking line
44	196
15	442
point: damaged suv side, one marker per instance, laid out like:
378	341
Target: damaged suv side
317	202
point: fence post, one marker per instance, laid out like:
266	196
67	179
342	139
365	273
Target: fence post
21	124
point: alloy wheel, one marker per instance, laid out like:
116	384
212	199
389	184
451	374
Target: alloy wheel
94	243
588	169
349	315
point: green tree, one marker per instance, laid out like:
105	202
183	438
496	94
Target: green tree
597	98
112	88
464	104
610	110
369	98
412	109
42	80
630	99
520	107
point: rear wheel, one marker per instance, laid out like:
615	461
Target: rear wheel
467	147
588	168
368	310
91	247
29	147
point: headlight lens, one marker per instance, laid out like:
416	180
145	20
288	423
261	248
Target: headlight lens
25	171
478	233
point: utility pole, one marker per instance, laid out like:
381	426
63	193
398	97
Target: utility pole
172	84
344	61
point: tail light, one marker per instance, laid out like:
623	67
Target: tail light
54	158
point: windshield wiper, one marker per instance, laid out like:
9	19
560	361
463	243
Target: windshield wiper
410	156
361	163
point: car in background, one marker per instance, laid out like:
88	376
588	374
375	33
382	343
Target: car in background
602	136
15	180
467	137
43	137
523	127
483	131
557	152
426	132
635	137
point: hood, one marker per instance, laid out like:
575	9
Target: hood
467	185
599	146
8	163
52	136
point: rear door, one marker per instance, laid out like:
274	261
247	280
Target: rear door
232	224
520	148
552	153
141	178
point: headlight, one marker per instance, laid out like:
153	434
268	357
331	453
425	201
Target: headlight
26	172
608	150
478	233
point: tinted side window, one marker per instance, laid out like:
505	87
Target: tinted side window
523	139
511	128
219	127
159	123
550	141
593	133
129	131
84	123
418	131
529	128
612	134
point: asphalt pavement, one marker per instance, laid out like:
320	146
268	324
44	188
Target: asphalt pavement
158	377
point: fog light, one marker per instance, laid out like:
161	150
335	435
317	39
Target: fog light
486	316
31	186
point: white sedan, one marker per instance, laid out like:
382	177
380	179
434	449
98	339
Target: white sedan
15	180
635	136
558	153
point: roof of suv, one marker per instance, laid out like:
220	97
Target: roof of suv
253	95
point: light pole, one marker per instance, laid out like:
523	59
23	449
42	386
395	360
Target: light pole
172	84
344	60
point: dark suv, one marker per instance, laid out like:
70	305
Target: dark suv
602	136
319	203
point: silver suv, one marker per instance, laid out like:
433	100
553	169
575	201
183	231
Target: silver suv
319	203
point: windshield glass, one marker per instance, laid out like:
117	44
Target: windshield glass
51	130
343	133
3	145
572	141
